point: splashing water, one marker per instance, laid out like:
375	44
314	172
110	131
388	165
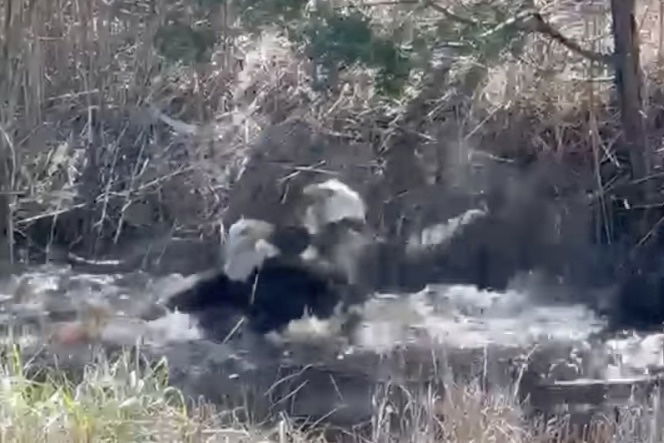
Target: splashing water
450	316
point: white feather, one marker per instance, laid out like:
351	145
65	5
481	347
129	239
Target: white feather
333	201
247	247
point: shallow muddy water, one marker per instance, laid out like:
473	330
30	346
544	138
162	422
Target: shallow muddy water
431	338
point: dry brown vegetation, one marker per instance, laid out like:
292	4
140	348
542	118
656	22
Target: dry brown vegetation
123	399
103	139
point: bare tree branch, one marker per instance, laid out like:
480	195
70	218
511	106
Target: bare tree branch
538	24
530	21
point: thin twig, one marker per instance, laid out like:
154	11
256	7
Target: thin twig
649	234
234	330
286	378
297	170
449	14
291	394
9	221
50	214
387	3
99	224
137	171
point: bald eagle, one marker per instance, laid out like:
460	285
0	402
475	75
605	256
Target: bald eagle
335	220
341	239
260	282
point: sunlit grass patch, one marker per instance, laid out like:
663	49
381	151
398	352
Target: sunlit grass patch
128	398
124	399
118	400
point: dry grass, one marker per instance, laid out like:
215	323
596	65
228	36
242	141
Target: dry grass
116	400
85	83
113	401
126	400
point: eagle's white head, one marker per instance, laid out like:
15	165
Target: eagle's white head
247	247
338	210
332	201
